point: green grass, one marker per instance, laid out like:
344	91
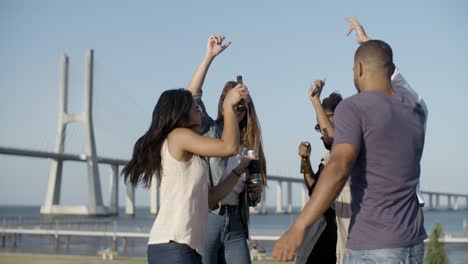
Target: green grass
14	258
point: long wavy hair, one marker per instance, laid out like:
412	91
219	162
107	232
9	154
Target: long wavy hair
250	131
171	111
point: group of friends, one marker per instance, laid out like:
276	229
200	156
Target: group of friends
363	205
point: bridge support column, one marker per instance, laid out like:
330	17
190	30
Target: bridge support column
455	202
56	167
52	202
279	197
130	200
263	209
437	201
56	242
289	210
449	197
430	202
114	190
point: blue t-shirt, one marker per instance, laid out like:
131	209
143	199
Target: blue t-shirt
388	132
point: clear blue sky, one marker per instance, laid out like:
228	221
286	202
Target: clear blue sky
144	47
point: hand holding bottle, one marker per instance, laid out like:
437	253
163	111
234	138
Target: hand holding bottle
304	153
315	90
304	149
235	95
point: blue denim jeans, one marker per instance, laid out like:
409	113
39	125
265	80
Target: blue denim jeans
226	243
172	253
405	255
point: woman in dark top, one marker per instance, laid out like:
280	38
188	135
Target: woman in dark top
324	250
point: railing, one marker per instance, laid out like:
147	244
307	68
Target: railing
57	234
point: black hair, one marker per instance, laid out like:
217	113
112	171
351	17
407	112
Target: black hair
171	111
331	102
376	55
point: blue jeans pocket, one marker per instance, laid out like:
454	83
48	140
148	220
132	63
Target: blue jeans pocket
405	255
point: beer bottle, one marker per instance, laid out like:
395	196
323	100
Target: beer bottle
239	79
241	106
254	175
306	168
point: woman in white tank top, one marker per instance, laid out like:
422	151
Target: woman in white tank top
171	149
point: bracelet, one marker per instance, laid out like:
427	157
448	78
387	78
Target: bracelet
236	173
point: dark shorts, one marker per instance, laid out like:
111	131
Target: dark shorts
324	250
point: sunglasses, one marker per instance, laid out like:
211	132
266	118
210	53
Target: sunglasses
317	126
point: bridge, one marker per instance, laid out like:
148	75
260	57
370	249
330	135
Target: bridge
95	206
432	198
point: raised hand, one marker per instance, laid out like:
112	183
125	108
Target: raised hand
304	149
315	89
361	35
235	95
254	188
215	46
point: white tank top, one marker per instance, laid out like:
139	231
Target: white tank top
183	214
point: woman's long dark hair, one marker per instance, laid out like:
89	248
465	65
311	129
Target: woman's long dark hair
171	111
250	131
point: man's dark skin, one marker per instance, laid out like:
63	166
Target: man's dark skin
372	72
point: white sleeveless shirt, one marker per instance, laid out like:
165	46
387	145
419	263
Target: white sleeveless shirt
183	214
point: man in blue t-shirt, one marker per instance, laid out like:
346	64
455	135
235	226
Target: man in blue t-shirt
378	143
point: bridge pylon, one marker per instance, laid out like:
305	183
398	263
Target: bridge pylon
95	205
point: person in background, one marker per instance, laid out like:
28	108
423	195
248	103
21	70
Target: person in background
228	222
320	244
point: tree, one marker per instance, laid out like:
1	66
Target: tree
435	248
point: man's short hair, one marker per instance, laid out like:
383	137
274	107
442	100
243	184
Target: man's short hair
375	55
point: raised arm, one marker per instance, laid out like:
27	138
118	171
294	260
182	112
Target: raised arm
326	126
399	83
401	86
214	47
184	141
361	35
